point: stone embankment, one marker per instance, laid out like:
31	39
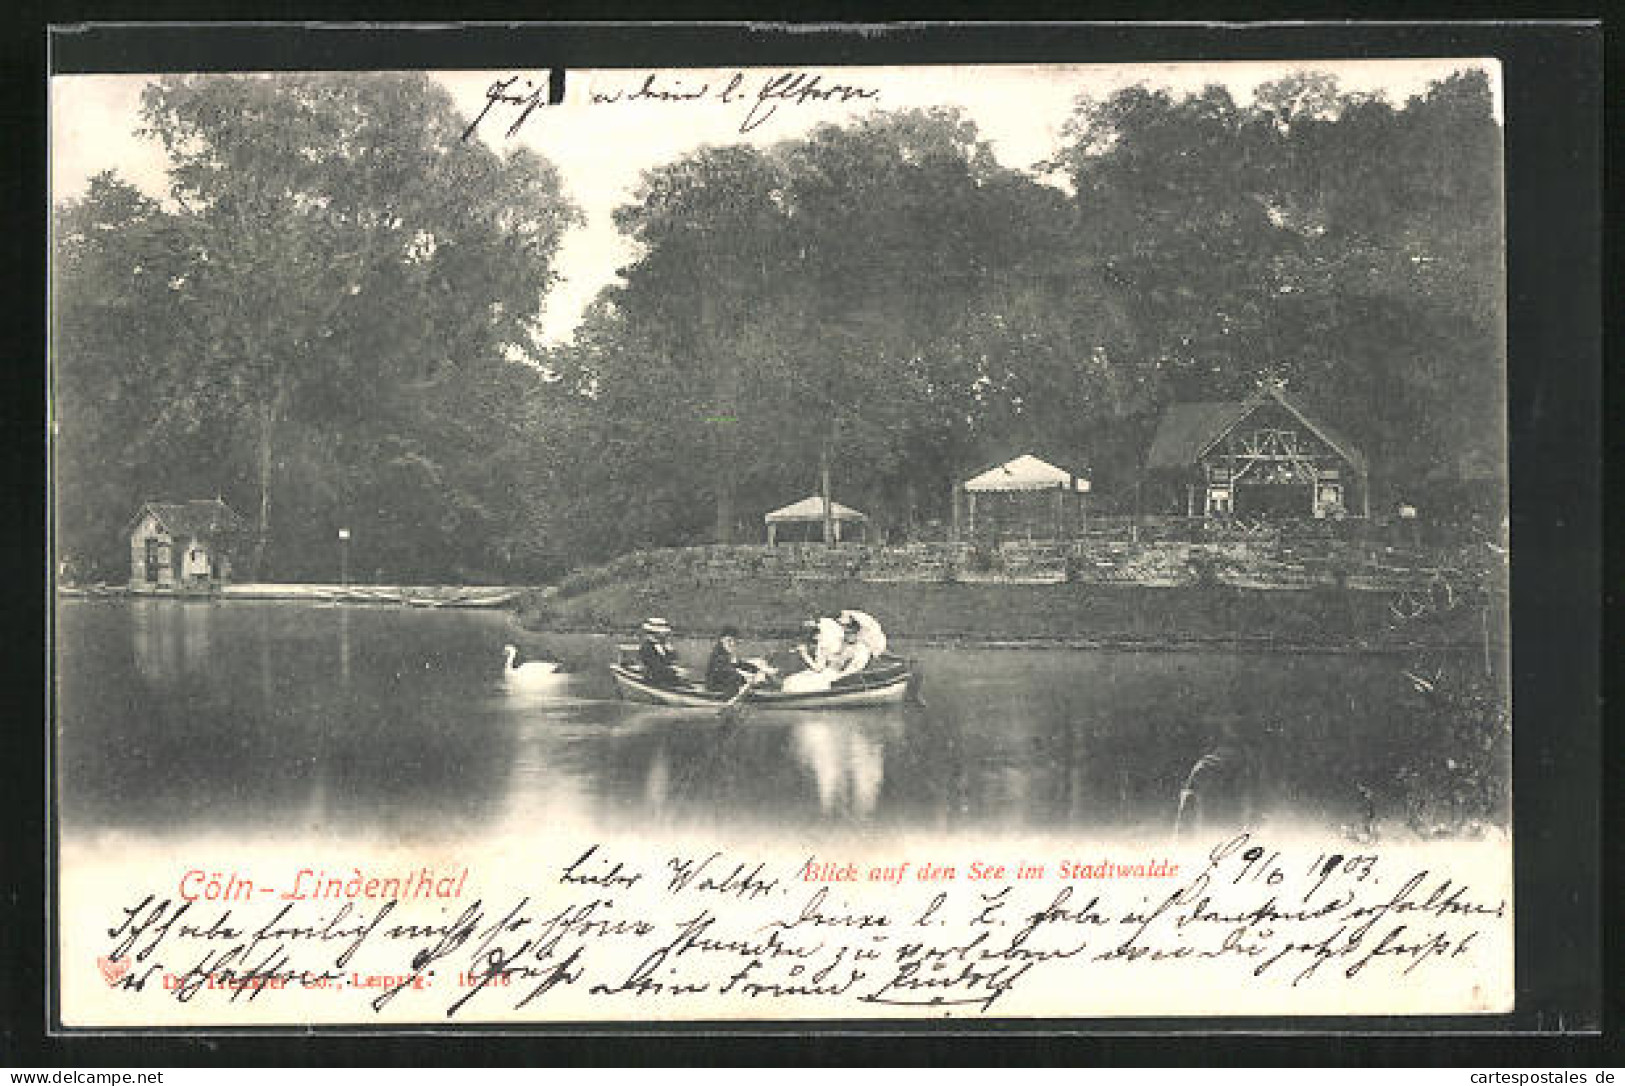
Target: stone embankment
1327	594
1264	566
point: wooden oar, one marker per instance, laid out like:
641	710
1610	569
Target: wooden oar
735	702
915	679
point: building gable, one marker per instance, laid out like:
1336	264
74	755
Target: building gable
147	526
1189	431
198	519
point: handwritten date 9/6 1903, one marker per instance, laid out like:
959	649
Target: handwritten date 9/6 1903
735	931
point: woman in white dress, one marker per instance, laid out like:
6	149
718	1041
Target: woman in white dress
823	662
868	630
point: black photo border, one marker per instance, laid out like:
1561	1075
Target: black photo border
1552	83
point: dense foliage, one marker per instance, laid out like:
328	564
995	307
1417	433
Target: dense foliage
318	326
887	299
331	325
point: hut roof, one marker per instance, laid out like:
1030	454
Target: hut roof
812	509
201	517
1187	430
1025	472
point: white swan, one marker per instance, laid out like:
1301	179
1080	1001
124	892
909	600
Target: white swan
530	672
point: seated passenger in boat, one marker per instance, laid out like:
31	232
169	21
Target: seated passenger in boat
868	630
656	655
854	656
725	673
825	645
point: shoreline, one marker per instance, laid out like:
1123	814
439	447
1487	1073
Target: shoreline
1191	643
1125	618
1168	643
1119	618
940	640
481	596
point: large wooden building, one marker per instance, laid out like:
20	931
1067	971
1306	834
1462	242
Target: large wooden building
183	546
1260	458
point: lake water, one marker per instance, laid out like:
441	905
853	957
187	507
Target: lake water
314	719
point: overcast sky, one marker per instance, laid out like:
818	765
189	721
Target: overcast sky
602	148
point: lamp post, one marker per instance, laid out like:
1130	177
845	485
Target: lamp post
344	557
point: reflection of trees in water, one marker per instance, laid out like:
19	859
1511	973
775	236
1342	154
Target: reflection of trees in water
657	782
179	728
264	715
171	640
344	646
1086	740
451	764
972	763
932	776
1070	776
262	644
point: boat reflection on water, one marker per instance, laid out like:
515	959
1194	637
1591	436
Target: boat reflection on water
641	765
847	760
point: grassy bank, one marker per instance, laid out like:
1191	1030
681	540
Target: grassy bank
1128	615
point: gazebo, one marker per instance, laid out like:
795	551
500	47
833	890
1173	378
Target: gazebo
811	511
1015	481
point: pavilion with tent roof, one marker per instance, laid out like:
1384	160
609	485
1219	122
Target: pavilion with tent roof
1022	496
797	516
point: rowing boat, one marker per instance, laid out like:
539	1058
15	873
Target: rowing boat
886	683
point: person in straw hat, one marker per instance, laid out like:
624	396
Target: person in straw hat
656	654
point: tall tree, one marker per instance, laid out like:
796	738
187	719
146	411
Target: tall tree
345	246
1331	238
812	290
123	430
711	230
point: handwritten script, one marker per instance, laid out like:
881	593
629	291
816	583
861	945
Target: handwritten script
757	96
712	933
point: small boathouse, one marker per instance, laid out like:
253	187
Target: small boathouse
183	546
